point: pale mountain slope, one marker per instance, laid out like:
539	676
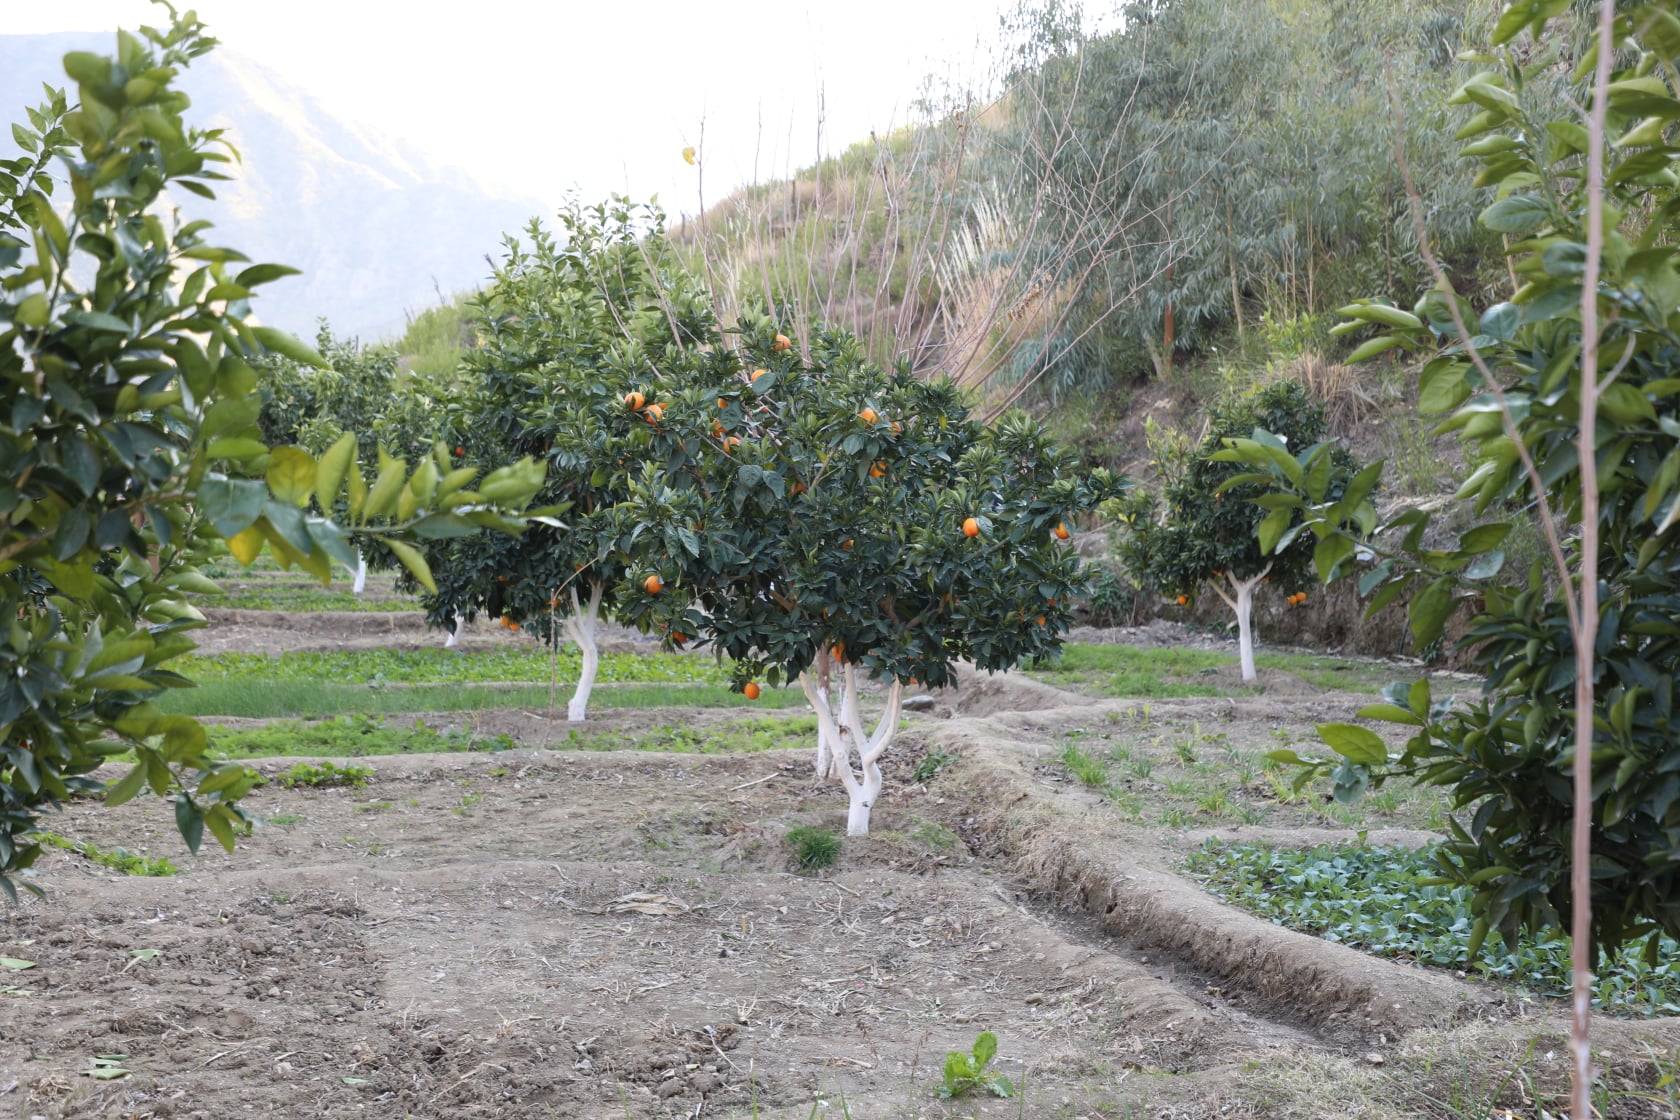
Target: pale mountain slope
378	229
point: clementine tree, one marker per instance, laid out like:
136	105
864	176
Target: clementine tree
569	335
1215	525
829	522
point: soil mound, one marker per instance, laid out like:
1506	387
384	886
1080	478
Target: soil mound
982	694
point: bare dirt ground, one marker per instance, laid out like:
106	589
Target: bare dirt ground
623	935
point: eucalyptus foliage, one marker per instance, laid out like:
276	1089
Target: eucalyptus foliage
1206	159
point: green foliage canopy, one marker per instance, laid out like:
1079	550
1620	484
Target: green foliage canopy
821	510
129	437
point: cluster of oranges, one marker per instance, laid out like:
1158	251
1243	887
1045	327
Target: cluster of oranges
509	624
1297	599
636	402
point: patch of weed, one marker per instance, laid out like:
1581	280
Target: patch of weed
324	776
1086	769
813	848
117	859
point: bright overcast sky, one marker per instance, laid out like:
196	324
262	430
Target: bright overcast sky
534	98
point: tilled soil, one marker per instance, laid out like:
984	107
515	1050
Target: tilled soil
577	934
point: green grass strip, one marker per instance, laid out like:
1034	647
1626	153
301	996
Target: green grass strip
292	598
362	736
256	699
1170	671
518	665
1376	899
117	859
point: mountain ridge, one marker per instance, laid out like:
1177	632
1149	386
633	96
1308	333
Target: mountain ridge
380	231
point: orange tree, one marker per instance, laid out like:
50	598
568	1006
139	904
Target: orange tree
1215	525
566	334
129	439
828	522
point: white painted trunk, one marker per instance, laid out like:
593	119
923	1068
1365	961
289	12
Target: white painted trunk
360	584
1243	607
454	631
1245	629
862	798
580	627
841	738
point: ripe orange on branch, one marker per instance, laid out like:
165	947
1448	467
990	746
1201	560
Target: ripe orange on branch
1062	533
869	416
751	691
782	343
653	585
971	527
634	401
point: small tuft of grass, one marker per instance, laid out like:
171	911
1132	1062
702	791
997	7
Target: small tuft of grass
1086	769
813	848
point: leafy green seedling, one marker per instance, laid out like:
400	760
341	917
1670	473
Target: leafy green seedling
964	1072
931	764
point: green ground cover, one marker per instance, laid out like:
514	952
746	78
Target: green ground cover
304	699
507	665
1168	672
357	736
1382	900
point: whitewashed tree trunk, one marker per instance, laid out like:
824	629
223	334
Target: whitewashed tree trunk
816	686
454	631
580	627
360	583
841	737
1243	606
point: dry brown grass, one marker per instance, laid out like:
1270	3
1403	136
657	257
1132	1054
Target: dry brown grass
1341	389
